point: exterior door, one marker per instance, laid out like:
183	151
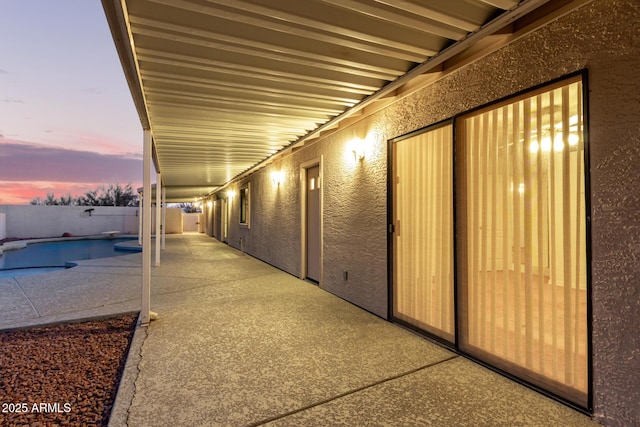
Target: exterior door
313	224
213	221
225	220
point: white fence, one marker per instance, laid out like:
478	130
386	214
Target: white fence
3	225
192	222
53	221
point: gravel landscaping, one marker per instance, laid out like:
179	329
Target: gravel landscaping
64	375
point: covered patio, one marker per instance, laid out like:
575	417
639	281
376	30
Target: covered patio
280	118
224	89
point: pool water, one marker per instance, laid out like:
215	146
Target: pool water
43	257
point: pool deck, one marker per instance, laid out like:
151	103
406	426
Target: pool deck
241	343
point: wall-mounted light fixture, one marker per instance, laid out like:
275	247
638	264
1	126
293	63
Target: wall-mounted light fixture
210	204
277	177
231	194
355	147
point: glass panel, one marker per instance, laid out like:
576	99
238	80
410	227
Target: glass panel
244	205
423	238
522	221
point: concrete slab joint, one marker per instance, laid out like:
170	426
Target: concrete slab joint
128	383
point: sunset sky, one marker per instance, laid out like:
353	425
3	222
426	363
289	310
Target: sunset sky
67	120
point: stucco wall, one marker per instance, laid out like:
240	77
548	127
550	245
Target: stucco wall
53	221
207	215
273	234
615	183
602	37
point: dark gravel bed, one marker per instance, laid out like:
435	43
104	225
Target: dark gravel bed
64	375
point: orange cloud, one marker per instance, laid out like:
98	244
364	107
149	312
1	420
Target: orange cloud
31	170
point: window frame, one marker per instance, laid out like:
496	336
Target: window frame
244	209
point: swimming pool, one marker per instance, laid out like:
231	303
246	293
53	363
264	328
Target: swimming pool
44	257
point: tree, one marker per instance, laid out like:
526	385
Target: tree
189	208
90	198
113	195
53	201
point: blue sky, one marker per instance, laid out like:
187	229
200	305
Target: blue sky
67	120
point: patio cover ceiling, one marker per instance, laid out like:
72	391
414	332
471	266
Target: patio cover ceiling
225	84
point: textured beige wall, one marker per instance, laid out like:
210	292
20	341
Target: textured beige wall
602	37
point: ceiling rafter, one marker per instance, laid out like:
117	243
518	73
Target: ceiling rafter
301	26
235	45
429	10
386	15
164	59
248	89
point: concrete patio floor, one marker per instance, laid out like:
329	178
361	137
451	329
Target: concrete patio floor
241	343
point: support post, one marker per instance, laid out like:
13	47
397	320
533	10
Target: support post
145	309
140	219
164	214
158	217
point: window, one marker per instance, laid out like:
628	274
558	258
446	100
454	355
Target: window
244	205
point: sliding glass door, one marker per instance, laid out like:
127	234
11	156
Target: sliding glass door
519	299
521	222
423	237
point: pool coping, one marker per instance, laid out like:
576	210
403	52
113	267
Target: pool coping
21	244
